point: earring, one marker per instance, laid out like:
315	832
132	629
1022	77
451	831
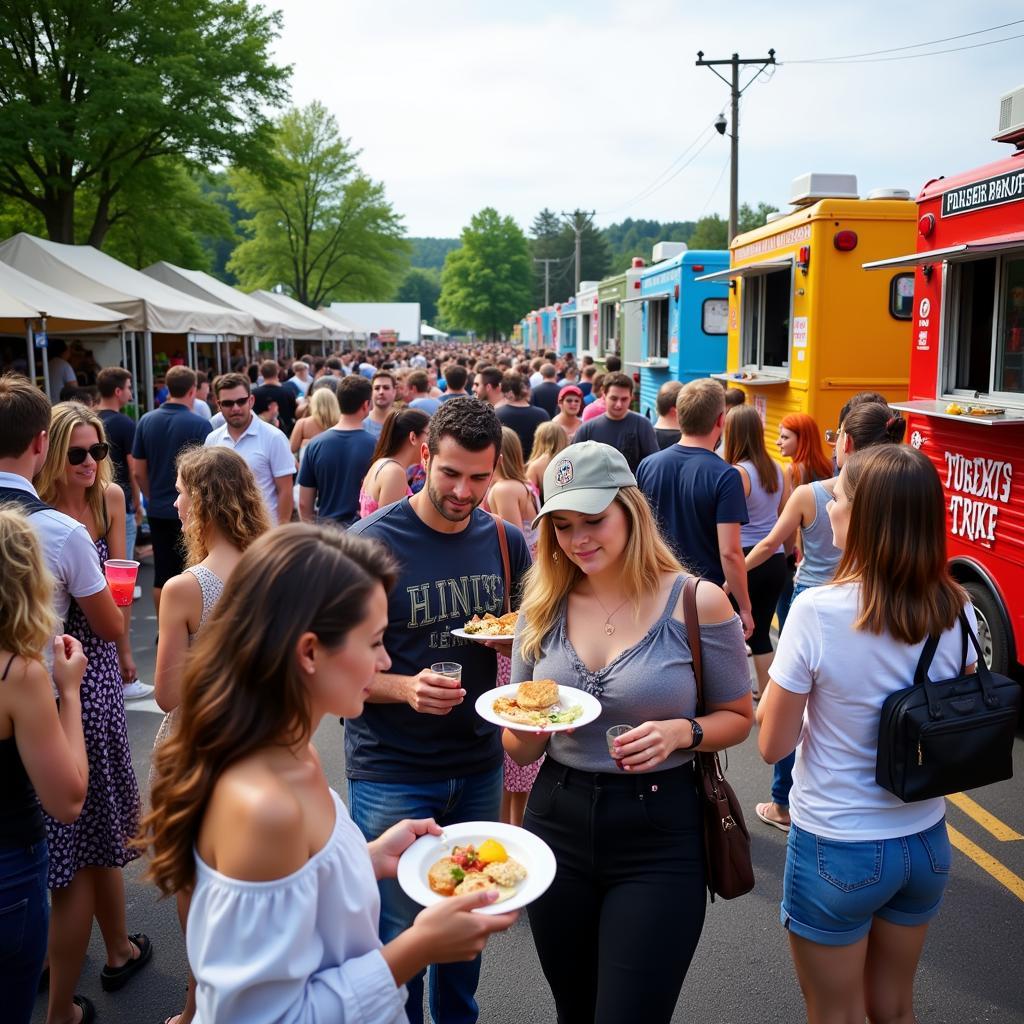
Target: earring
554	556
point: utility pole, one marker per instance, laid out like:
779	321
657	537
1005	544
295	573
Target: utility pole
578	220
547	278
734	87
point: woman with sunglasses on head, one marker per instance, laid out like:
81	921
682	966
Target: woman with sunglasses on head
602	611
865	871
86	857
863	426
283	924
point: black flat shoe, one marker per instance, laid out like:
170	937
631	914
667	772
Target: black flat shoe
114	978
88	1010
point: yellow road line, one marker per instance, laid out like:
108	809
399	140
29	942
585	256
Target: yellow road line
1000	872
989	822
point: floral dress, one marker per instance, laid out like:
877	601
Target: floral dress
102	834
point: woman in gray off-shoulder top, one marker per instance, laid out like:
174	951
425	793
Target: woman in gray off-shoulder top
602	612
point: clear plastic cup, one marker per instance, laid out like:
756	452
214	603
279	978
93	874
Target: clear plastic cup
452	669
611	735
121	574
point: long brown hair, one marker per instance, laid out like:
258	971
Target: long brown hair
398	425
510	464
222	493
744	442
896	544
810	461
242	688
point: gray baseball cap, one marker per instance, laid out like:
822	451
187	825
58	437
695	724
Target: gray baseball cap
585	478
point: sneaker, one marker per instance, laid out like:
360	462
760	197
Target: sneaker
136	593
136	691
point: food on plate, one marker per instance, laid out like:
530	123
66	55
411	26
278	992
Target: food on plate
492	625
536	704
474	869
985	410
537	694
954	410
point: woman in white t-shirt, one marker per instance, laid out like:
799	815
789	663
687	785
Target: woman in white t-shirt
865	872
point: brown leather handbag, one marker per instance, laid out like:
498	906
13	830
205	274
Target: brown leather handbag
728	866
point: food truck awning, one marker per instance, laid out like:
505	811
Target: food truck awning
747	270
980	245
650	296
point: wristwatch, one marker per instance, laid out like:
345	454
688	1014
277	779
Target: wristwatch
698	734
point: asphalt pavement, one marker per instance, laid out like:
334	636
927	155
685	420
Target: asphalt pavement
972	971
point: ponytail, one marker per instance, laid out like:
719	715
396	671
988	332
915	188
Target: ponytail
872	423
399	424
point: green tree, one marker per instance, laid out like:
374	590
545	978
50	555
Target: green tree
430	252
711	232
595	253
548	243
485	284
749	217
424	287
317	224
91	92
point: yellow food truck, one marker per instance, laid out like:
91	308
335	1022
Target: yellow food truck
808	326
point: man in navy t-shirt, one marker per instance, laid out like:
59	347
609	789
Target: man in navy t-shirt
335	462
698	497
419	749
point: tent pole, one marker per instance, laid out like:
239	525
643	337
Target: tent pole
147	356
46	371
220	361
30	354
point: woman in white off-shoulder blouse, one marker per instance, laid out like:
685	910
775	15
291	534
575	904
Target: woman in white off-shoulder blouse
283	920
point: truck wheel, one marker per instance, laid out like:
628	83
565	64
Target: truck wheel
995	645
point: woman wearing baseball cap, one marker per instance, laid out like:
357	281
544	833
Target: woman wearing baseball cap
602	611
570	405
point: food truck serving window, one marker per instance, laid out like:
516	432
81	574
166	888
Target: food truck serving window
568	329
987	325
901	296
765	329
657	329
609	343
715	316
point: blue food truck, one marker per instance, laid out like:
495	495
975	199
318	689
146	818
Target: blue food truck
566	326
685	324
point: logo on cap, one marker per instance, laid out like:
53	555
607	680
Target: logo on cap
563	474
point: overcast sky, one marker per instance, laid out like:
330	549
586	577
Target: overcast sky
458	105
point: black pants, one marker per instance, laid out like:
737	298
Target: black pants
764	585
168	549
619	926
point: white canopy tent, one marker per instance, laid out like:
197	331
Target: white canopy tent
334	331
431	333
149	306
25	301
347	324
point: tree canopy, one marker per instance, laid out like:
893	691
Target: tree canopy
90	93
485	284
555	238
315	222
422	286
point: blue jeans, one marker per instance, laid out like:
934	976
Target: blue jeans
131	531
782	772
833	889
24	917
375	807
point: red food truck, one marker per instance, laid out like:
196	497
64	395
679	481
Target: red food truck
966	399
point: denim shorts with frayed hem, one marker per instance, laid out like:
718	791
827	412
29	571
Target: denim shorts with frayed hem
832	889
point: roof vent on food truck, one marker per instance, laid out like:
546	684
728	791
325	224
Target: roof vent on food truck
809	188
888	193
667	251
1011	118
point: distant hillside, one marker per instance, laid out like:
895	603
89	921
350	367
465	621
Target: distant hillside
429	253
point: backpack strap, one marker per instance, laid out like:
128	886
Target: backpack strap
505	564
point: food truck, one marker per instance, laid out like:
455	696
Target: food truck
808	326
619	322
566	326
540	327
683	318
965	409
586	300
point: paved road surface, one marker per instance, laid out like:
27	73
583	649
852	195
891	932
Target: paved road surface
972	971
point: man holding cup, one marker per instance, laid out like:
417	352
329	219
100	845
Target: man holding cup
419	750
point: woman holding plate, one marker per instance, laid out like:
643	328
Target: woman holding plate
625	826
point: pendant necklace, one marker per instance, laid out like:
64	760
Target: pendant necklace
609	629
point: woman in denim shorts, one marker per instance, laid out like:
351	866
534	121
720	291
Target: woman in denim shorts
865	872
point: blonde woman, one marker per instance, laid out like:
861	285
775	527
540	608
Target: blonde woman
322	413
86	857
602	612
42	749
548	441
222	512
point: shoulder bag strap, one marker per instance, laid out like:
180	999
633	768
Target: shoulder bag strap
692	623
503	544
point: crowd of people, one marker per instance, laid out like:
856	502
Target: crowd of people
317	530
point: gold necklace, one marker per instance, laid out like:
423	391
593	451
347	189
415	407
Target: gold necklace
609	629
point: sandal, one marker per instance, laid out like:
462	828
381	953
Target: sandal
761	810
87	1008
114	978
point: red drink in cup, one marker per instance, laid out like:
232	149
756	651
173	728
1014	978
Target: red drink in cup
121	574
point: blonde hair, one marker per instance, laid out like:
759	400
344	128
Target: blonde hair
510	463
27	620
63	420
222	492
324	408
550	579
549	440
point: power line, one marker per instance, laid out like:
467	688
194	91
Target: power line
714	189
871	56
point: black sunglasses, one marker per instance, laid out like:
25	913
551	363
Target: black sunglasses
230	403
76	456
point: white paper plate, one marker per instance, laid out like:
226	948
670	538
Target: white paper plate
477	638
567	697
533	853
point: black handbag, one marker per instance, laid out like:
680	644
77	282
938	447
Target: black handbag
936	738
